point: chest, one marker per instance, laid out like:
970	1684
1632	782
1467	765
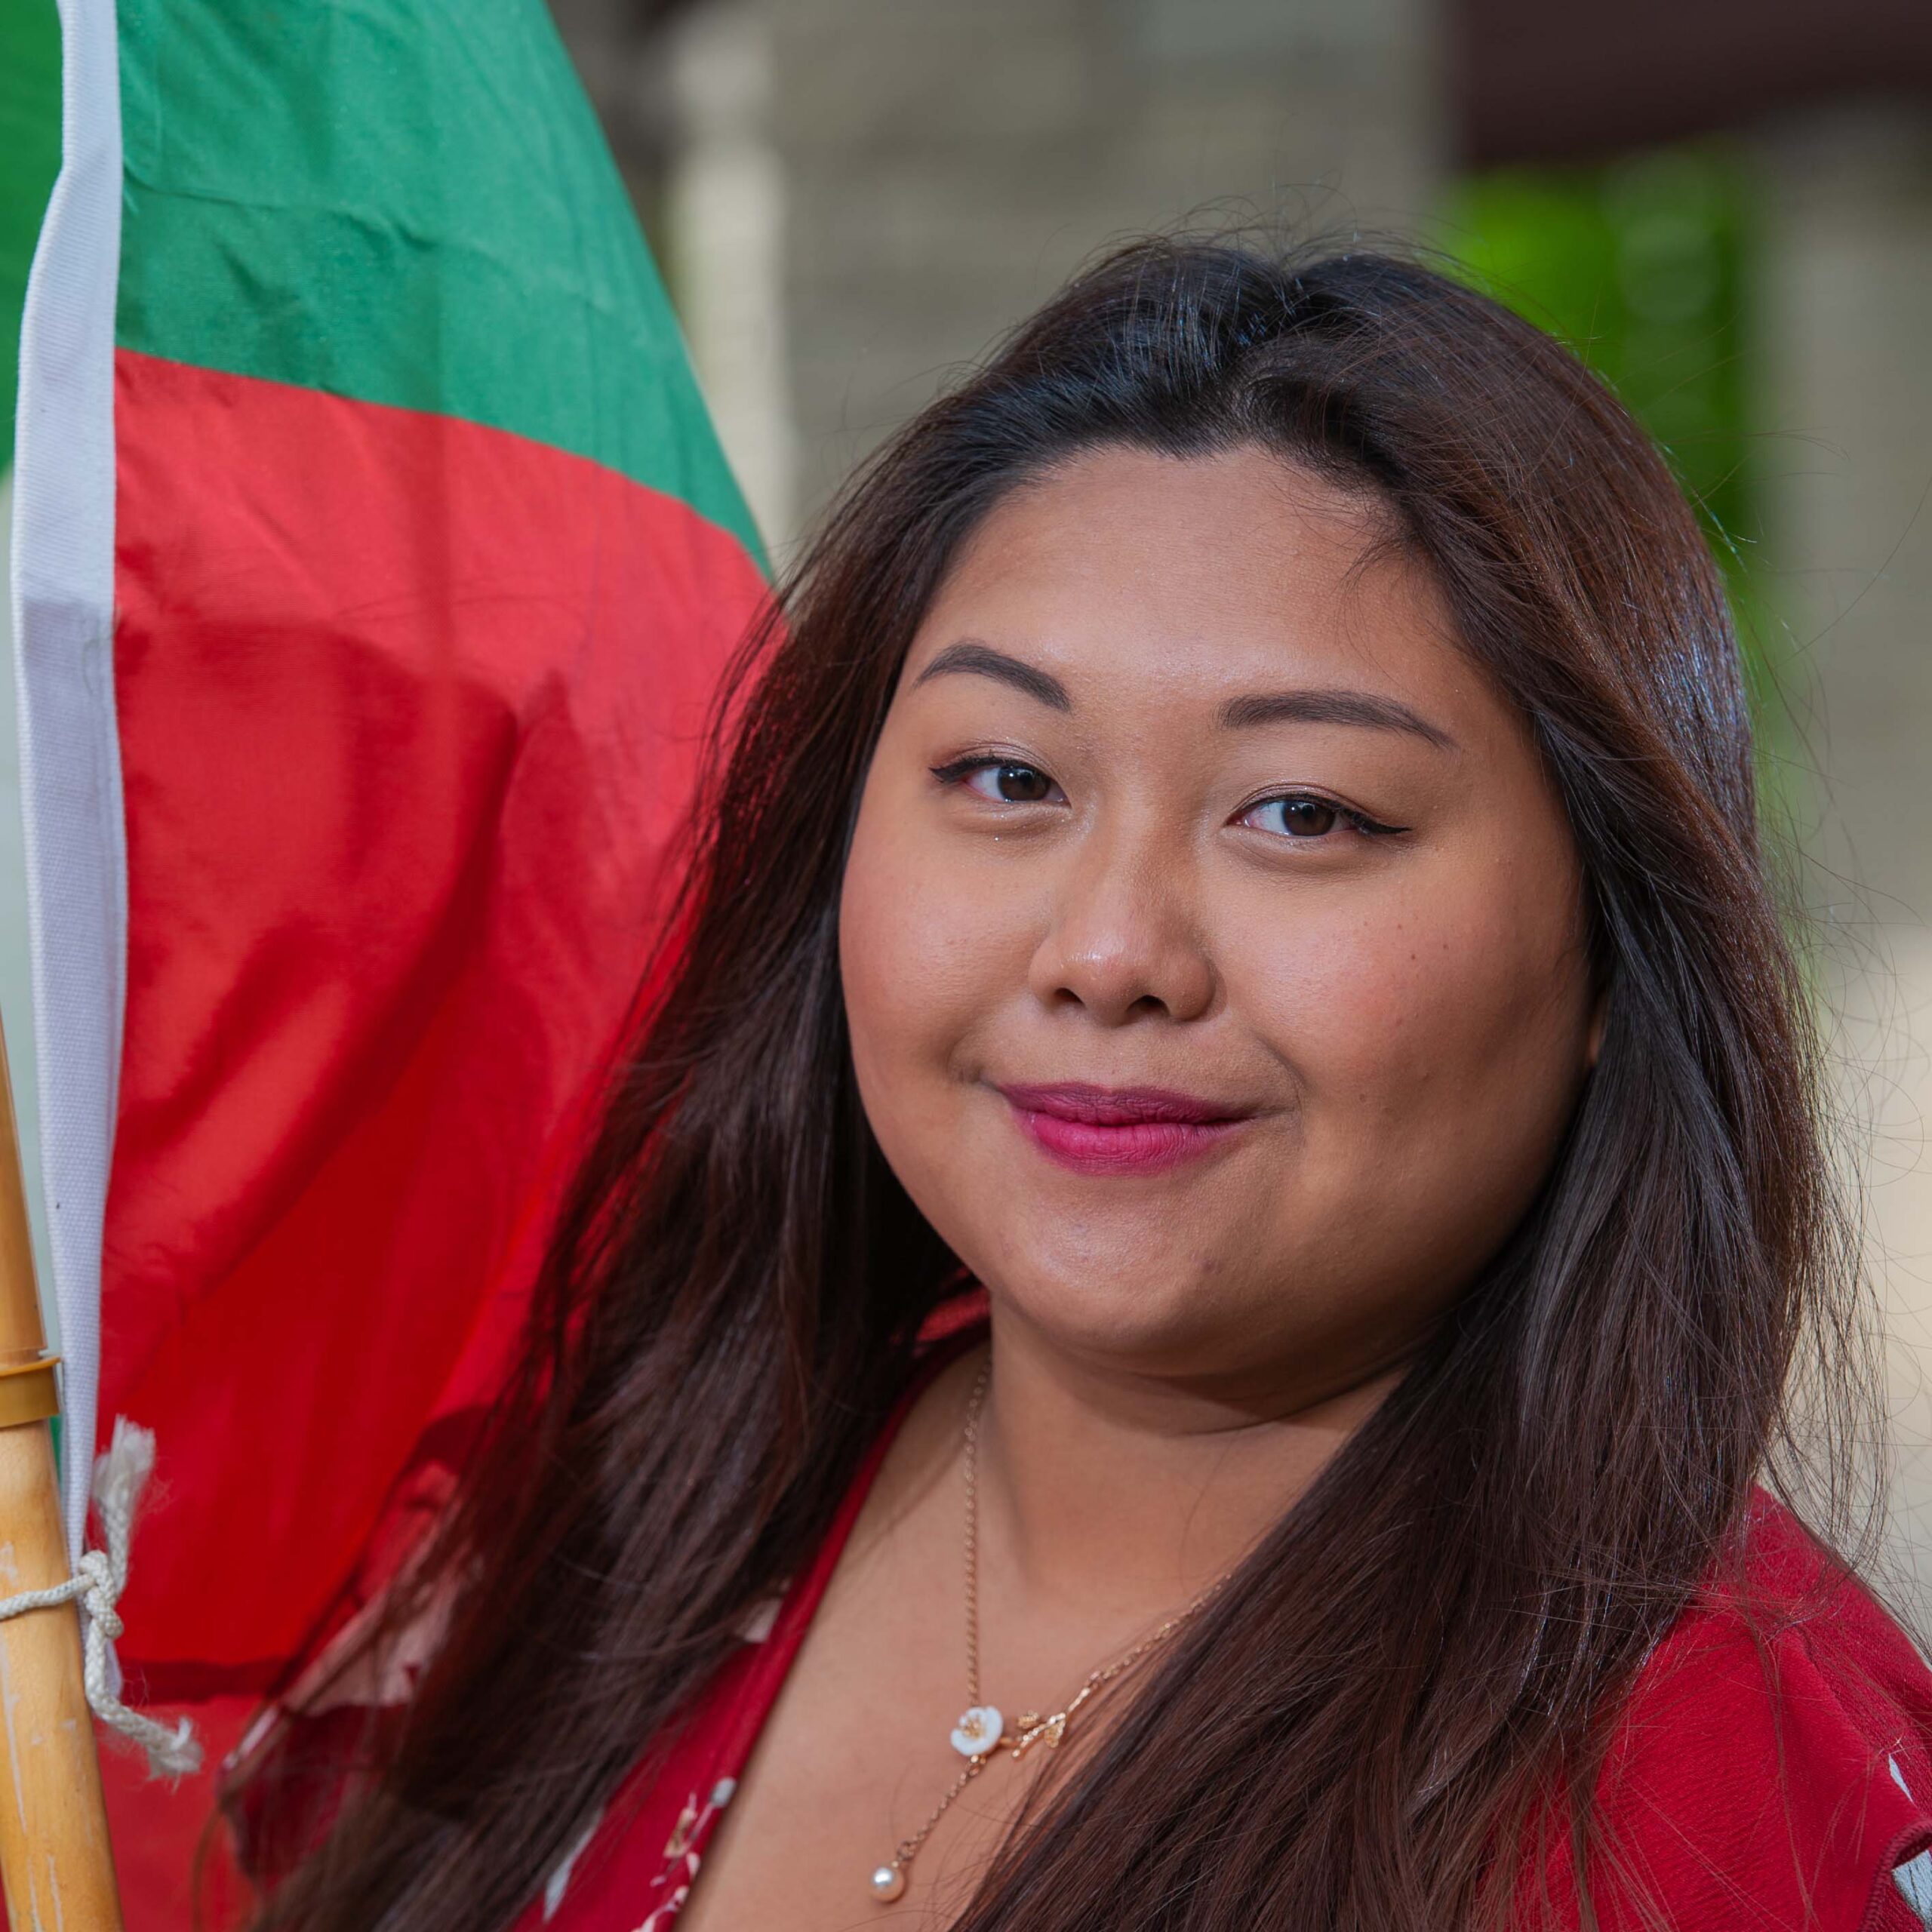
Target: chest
854	1761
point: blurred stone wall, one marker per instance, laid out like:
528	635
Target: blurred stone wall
1847	461
912	179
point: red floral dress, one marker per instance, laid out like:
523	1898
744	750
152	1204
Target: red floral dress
1773	1784
1761	1779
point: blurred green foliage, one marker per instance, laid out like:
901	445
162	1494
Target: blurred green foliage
1641	265
30	159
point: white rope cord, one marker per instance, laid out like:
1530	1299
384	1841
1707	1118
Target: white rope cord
99	1578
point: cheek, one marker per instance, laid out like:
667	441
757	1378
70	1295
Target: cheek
923	950
1436	1041
1446	1005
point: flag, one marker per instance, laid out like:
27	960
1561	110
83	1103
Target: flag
375	567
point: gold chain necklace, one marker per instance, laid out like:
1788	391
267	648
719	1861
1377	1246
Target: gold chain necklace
982	1730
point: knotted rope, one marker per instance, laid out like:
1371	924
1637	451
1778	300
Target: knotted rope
99	1578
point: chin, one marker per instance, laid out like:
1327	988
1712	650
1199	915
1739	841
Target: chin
1130	1310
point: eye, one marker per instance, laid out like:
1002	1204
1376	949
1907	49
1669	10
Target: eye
1011	784
1298	817
1000	781
1304	815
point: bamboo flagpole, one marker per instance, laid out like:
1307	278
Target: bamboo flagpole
56	1863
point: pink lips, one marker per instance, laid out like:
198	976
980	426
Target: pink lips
1119	1129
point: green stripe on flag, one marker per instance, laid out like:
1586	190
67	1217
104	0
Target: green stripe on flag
402	201
30	159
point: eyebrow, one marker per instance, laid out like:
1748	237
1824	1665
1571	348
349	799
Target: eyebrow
1332	707
982	660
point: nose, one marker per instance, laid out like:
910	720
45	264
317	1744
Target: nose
1123	941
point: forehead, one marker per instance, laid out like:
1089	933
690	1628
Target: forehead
1123	571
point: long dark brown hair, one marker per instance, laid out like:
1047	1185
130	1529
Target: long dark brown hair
1360	1731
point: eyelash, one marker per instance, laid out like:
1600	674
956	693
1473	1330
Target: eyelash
960	769
1355	821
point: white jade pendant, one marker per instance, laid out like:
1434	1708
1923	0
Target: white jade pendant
978	1731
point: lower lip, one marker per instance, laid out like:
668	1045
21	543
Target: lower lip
1133	1147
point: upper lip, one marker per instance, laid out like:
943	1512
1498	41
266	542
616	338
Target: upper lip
1120	1106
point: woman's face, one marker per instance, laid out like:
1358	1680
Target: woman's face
1212	936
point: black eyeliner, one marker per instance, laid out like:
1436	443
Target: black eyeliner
957	768
1358	819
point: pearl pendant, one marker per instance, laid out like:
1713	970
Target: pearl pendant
888	1882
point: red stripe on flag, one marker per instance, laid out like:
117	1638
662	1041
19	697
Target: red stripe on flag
409	710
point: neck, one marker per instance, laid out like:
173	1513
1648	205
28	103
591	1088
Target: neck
1130	1493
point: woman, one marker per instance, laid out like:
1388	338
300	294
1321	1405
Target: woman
1178	1312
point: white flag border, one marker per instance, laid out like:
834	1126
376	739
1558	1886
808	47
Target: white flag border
63	592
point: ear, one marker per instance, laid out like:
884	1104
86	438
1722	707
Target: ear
1593	1039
